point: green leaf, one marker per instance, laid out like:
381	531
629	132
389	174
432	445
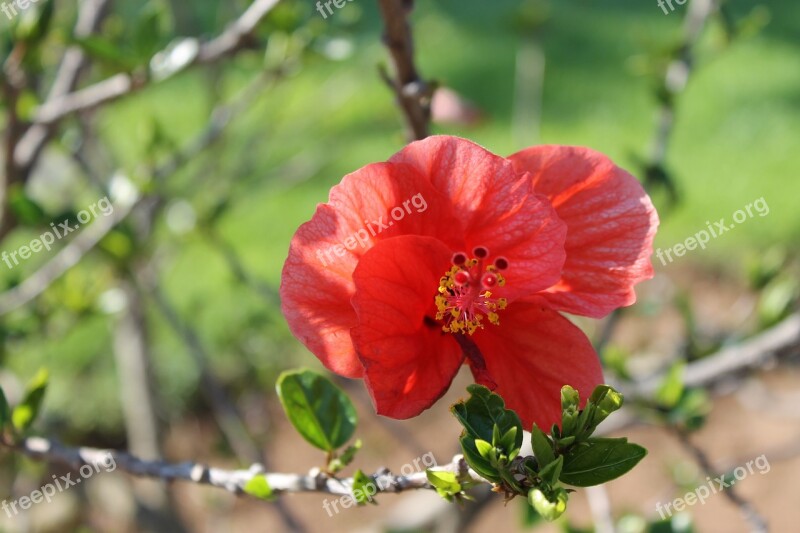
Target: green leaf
552	471
317	408
258	486
542	449
25	209
445	483
482	411
474	459
153	23
485	418
508	440
5	411
363	488
566	441
26	412
105	51
599	460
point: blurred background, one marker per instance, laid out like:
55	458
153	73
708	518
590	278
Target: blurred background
159	324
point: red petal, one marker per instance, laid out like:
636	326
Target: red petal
316	284
531	355
497	209
610	227
409	362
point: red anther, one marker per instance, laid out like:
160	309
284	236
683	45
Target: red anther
461	277
459	258
480	252
501	263
489	280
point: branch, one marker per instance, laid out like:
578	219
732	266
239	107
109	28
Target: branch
65	259
229	42
413	94
758	523
69	70
89	236
780	341
233	481
678	73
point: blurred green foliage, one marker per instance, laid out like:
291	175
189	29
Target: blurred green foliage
735	141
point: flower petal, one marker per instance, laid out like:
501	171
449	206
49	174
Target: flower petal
316	283
497	209
531	355
610	221
409	362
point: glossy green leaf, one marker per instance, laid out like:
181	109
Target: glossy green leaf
482	411
317	408
599	460
474	459
552	471
509	439
542	449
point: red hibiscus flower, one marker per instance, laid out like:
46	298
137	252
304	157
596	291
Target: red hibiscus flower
449	254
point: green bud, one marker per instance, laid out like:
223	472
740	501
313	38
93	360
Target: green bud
547	508
569	398
508	440
485	449
603	401
566	441
606	399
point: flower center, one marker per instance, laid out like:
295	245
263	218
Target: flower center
464	297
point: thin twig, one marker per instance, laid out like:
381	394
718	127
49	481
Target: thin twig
72	64
676	80
232	481
780	341
413	94
89	236
757	522
233	39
